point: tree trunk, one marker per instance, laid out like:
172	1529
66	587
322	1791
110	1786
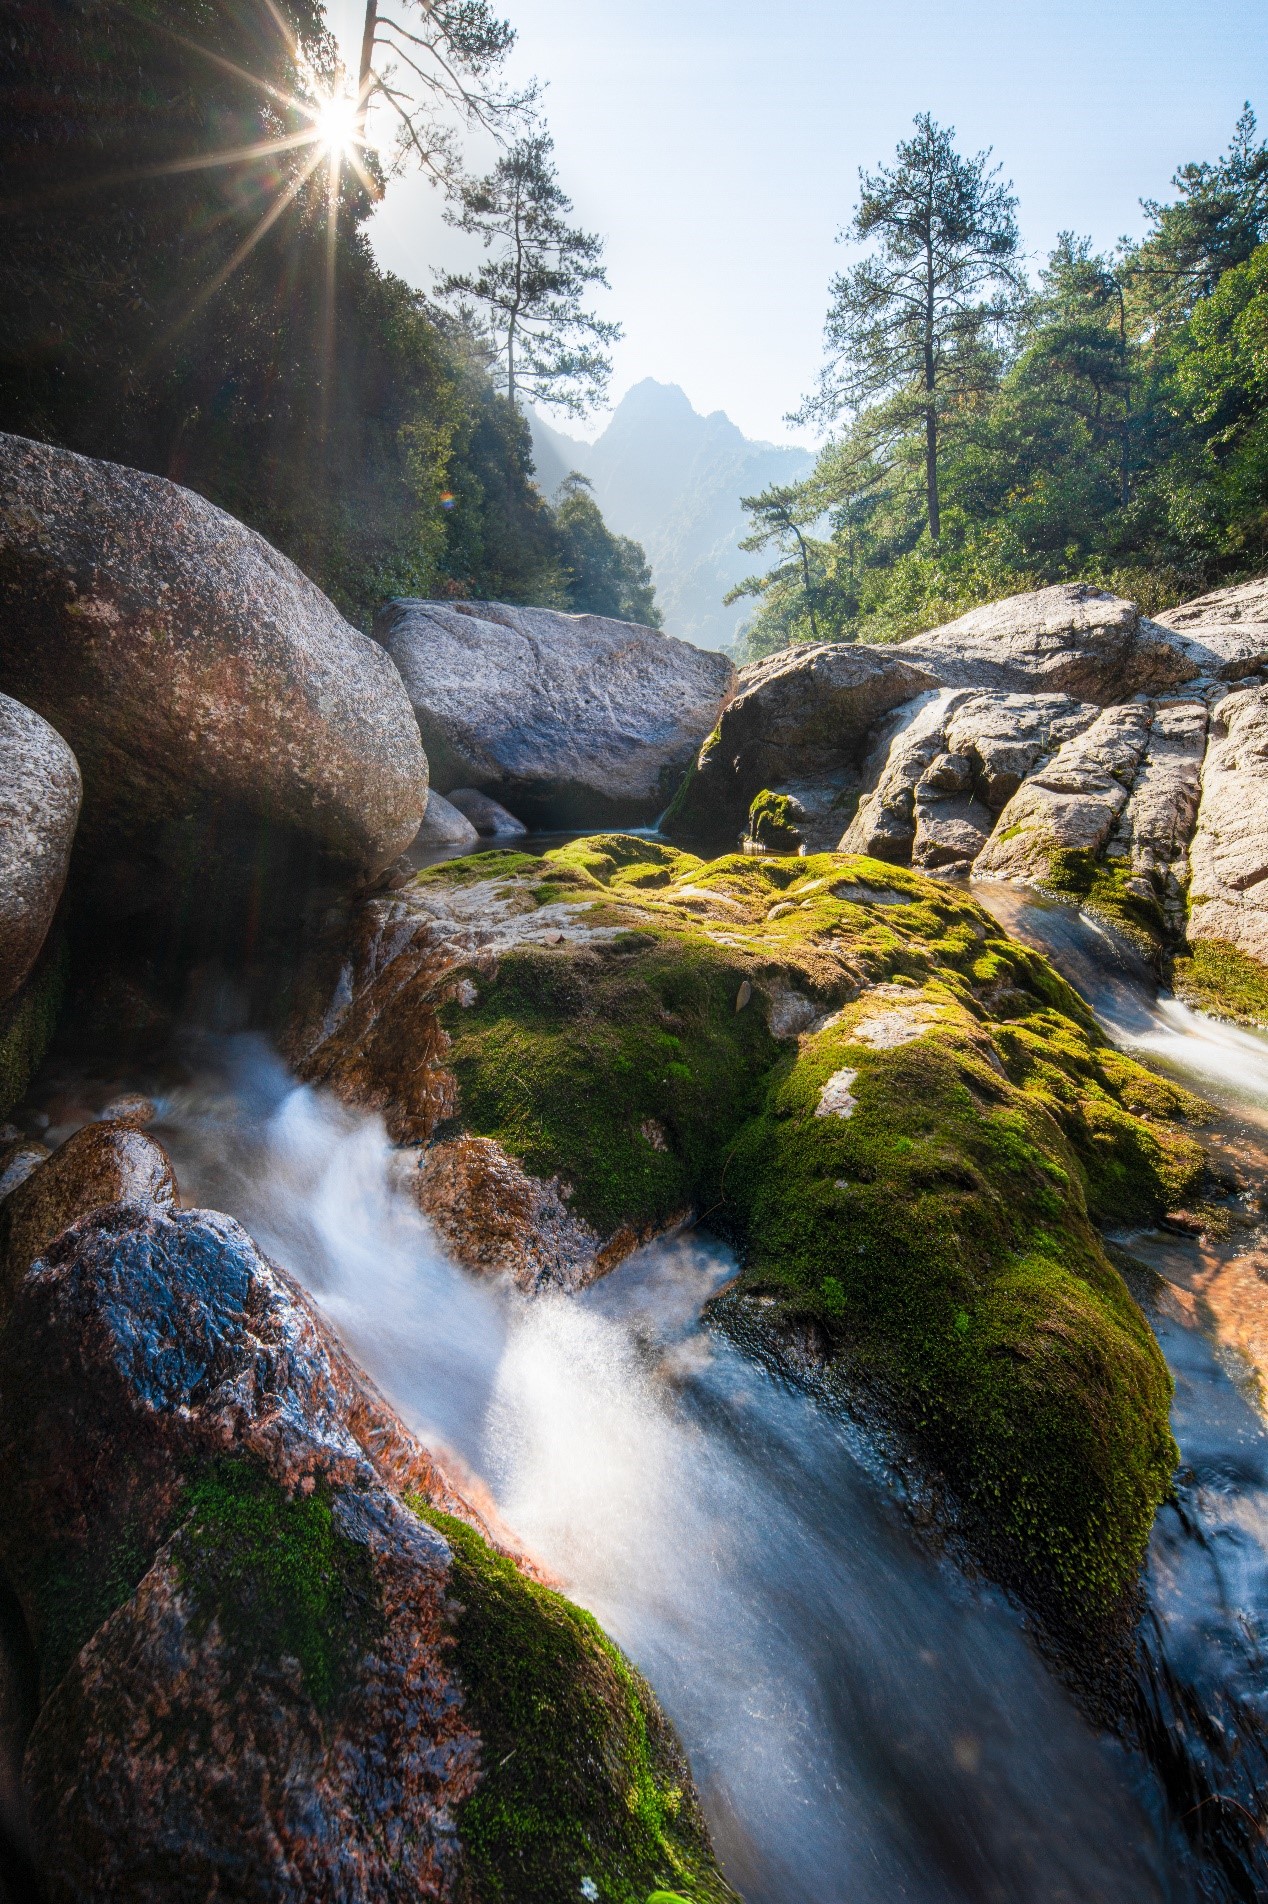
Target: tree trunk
931	417
368	34
510	361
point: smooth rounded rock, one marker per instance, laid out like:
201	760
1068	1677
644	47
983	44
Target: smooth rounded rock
570	719
40	792
101	1164
487	816
211	693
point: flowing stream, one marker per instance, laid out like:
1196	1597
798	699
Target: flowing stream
866	1724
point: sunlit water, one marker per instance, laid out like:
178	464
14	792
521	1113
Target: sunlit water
866	1726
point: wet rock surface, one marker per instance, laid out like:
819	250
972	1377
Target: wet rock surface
101	1164
846	1069
218	1537
40	791
562	717
210	692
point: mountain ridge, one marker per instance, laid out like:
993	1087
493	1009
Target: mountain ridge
672	479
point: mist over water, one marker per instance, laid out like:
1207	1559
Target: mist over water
865	1725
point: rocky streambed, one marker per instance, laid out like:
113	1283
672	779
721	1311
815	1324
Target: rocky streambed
752	1246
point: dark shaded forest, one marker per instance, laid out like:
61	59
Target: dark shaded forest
224	323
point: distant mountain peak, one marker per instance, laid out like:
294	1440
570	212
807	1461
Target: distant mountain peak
672	478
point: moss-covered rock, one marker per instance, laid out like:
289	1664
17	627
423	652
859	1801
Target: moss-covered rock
582	1777
908	1124
1218	978
772	821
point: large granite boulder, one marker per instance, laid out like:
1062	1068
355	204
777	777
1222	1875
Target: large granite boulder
216	701
39	805
797	718
1228	897
1072	639
954	761
1225	633
278	1658
567	719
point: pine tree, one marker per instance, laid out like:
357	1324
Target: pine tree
911	327
527	299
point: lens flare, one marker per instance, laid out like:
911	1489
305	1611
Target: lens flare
335	125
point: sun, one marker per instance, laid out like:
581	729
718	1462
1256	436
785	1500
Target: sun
336	127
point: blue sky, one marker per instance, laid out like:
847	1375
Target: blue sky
716	145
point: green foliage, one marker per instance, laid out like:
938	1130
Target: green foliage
528	295
605	574
278	1576
1114	433
1217	978
581	1776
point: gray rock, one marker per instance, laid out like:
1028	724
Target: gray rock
1225	633
40	792
211	693
1006	736
568	719
800	716
885	825
1154	832
1228	895
1075	800
485	815
1072	638
951	830
444	825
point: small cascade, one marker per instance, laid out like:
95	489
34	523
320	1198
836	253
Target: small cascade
865	1723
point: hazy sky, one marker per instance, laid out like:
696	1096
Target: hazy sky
716	145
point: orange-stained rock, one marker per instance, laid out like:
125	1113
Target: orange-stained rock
493	1216
175	1755
100	1164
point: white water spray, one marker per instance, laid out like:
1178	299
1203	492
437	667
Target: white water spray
863	1724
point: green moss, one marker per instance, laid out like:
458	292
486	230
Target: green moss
772	822
1101	886
1217	978
938	1243
278	1575
581	1775
567	1060
27	1024
75	1593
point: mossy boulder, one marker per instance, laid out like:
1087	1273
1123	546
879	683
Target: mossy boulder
773	821
278	1657
908	1124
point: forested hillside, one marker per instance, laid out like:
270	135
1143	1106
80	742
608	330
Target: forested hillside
224	322
988	434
